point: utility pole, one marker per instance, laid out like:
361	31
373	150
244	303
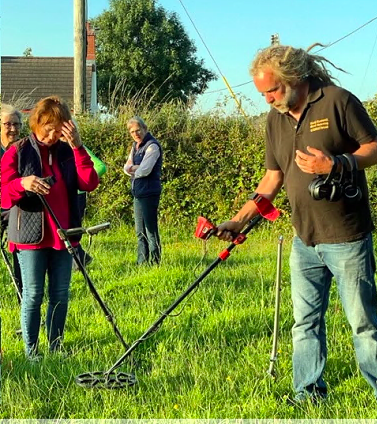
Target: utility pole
79	69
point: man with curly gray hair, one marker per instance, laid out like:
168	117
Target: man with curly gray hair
319	140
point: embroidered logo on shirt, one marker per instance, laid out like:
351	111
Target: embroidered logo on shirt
319	124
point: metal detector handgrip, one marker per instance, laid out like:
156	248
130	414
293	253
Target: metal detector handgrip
97	228
239	238
78	231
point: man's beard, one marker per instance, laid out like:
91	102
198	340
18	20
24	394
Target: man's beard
289	101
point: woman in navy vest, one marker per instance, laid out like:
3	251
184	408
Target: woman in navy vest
144	167
54	148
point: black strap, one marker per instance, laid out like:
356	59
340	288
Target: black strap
334	168
352	167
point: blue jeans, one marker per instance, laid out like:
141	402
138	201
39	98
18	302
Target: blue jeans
312	268
34	264
146	226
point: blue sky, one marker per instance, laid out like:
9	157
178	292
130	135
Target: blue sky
233	31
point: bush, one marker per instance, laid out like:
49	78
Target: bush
211	163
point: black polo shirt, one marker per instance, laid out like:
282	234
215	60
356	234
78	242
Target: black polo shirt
335	122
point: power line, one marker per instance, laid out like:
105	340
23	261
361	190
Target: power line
325	47
205	45
366	69
342	38
217	66
223	89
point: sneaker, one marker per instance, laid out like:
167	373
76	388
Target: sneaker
315	398
85	259
59	352
19	332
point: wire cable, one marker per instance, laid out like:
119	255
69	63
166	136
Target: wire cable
327	46
217	66
223	89
205	45
347	35
370	59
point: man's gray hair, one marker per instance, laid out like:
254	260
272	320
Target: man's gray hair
293	65
7	110
136	120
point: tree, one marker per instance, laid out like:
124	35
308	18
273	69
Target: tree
371	107
145	50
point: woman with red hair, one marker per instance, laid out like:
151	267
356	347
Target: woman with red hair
54	148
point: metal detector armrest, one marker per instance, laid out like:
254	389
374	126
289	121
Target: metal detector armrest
265	207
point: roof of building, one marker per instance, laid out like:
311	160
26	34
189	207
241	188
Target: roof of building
31	78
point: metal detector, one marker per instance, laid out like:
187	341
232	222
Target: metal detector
110	379
274	351
6	260
64	234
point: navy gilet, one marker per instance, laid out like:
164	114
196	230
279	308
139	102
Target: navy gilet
150	185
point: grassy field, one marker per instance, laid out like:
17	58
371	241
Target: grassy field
210	360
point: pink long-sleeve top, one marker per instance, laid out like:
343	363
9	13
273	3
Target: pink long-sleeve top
12	191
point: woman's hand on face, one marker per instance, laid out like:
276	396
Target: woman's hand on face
71	135
35	184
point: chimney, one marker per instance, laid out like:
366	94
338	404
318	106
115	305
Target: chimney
90	43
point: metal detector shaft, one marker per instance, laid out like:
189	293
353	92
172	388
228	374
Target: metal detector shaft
274	352
222	257
9	268
76	258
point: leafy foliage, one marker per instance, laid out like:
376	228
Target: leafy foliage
371	107
211	163
144	50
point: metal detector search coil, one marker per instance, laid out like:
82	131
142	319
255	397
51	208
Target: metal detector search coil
109	379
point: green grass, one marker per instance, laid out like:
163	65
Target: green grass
209	361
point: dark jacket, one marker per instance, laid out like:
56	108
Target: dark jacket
26	219
149	185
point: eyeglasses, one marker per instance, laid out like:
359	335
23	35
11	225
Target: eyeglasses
9	125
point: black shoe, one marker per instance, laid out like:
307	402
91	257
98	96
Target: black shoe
315	398
85	260
34	358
